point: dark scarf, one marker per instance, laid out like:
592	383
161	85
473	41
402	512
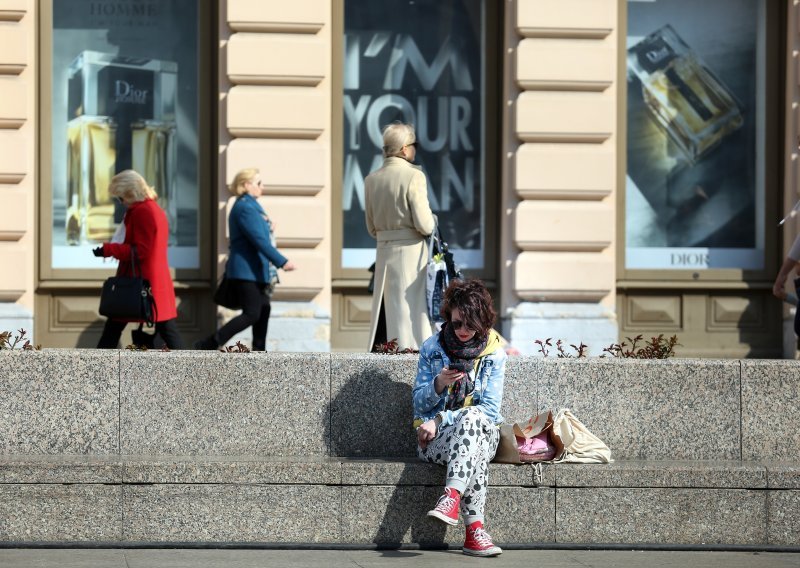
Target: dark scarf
462	357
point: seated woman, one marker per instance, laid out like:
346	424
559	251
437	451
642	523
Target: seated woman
457	395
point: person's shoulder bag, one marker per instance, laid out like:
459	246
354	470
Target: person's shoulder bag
128	298
226	295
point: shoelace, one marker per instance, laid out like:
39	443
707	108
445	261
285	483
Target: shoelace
482	538
445	504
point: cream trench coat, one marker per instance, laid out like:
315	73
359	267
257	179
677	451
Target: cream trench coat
399	217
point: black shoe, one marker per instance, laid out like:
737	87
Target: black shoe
207	344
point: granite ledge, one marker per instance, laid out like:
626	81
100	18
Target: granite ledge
714	474
783	474
388	471
60	469
265	470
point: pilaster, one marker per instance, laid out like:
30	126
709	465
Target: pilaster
560	172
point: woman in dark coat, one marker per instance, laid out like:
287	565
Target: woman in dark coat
252	263
146	229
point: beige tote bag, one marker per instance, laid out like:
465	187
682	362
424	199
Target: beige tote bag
580	445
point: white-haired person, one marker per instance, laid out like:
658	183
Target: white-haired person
146	231
399	217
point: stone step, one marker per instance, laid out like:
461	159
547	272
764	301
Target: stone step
216	500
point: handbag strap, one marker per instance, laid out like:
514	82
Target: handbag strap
134	261
434	240
153	311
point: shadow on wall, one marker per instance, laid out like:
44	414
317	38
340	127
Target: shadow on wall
407	512
88	338
371	417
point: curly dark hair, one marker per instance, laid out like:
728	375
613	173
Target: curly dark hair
473	301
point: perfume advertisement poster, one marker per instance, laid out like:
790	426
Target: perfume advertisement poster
694	189
124	96
420	63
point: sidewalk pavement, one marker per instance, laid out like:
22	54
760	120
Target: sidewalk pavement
146	558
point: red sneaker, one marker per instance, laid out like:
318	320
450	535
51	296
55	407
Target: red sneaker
478	542
446	509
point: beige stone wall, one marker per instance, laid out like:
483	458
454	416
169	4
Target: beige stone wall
560	151
17	151
275	114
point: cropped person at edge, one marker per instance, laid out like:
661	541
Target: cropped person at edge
146	229
790	264
399	216
249	259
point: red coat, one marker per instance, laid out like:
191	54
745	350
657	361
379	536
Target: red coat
146	227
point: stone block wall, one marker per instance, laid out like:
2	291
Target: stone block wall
88	402
560	174
275	114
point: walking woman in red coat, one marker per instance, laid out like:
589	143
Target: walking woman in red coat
146	229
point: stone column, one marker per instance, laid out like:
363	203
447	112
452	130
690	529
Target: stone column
275	114
17	164
560	172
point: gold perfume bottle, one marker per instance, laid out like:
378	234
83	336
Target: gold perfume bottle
694	107
154	154
121	113
91	156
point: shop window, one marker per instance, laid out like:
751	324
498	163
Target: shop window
429	63
123	88
698	133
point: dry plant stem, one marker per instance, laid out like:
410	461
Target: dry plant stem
391	348
654	348
10	341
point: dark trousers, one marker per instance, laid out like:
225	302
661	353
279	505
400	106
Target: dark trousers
255	311
168	330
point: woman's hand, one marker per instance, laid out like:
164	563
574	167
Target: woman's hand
779	289
426	432
289	266
446	378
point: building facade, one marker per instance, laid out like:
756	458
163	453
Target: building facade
610	168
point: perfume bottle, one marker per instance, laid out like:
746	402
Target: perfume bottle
121	113
684	97
91	156
154	154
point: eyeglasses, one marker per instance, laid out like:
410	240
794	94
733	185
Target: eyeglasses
458	324
415	144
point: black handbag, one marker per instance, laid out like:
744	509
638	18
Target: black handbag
128	298
226	295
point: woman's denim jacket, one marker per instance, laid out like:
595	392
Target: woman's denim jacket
488	392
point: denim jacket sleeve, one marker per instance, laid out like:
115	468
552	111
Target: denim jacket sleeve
492	395
424	394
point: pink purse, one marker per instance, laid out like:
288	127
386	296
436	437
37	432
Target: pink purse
537	448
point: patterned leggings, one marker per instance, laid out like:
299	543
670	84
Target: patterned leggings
466	447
